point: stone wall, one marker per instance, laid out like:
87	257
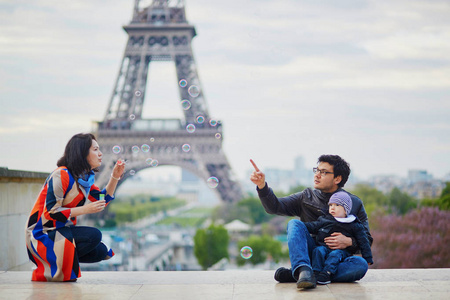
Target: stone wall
18	192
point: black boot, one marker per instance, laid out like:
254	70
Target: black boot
284	275
306	278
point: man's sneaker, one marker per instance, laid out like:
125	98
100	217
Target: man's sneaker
324	277
284	275
306	279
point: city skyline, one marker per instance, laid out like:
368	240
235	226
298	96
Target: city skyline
366	80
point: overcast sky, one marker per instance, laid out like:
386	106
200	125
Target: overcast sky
368	80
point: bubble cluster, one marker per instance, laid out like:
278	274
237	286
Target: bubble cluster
246	252
186	147
183	83
194	91
212	182
116	149
145	148
190	128
186	104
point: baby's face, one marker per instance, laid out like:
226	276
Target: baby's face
336	210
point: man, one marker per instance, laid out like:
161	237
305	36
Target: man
330	176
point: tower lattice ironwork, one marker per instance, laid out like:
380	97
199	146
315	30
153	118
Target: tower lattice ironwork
160	32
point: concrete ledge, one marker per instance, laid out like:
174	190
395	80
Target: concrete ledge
253	284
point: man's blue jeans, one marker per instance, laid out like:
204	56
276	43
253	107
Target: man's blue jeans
301	245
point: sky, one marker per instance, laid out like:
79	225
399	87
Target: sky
367	80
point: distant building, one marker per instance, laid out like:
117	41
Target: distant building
419	176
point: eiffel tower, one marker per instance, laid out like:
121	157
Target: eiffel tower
160	32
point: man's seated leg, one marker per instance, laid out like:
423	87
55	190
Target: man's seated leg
300	245
351	269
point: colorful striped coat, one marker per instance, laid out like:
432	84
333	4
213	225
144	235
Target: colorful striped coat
49	240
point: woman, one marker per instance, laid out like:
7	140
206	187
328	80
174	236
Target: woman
55	245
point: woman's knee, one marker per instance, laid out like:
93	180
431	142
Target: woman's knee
94	235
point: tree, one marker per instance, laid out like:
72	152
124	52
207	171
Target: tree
444	200
211	245
373	199
400	202
256	210
296	189
230	211
262	247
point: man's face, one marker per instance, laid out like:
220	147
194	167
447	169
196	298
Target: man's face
326	183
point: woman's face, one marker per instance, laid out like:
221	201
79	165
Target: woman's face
94	157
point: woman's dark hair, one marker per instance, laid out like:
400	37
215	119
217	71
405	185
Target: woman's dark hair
340	167
76	153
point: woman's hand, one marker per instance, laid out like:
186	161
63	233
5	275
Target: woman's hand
95	207
90	208
118	170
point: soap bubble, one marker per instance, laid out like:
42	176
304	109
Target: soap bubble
145	148
183	83
132	117
135	149
132	172
246	252
152	140
190	128
138	93
194	91
116	149
154	163
200	119
218	135
212	182
186	104
186	147
148	161
212	122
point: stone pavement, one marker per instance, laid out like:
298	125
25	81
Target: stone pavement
246	285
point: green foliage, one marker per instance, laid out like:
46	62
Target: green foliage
194	217
231	211
262	247
296	189
373	199
211	245
248	210
257	213
134	210
443	202
400	202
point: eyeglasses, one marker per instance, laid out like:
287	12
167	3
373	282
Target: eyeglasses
322	172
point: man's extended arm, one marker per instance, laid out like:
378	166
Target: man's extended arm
285	206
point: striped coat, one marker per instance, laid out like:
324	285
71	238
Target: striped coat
49	239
